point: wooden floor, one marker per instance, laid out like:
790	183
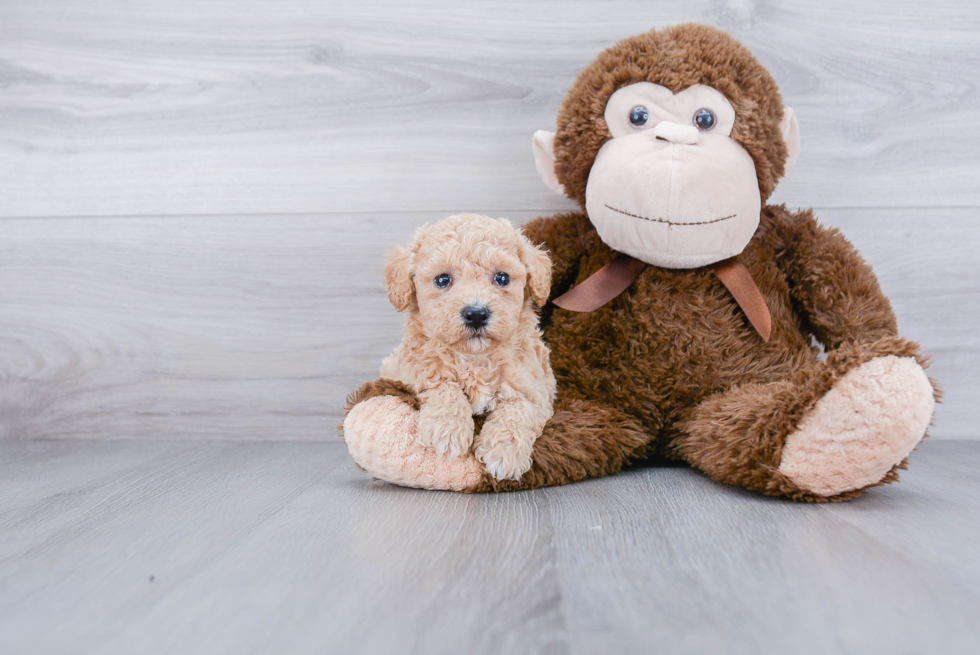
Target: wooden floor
234	547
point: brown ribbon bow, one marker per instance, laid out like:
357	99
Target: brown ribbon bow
616	276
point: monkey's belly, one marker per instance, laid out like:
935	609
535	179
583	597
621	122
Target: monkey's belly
669	351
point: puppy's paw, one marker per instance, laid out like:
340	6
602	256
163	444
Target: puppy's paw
504	463
444	431
505	453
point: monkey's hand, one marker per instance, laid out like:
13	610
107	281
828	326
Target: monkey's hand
445	421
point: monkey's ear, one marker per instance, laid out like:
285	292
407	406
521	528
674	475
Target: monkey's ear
538	266
399	282
791	136
544	160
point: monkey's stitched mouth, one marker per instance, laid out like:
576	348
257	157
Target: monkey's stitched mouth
662	220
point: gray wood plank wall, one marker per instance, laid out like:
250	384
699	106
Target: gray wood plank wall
196	196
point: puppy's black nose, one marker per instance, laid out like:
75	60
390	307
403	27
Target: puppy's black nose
475	316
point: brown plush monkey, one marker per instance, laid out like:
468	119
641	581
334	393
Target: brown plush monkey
683	306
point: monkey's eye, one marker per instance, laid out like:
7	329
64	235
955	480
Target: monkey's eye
501	279
639	116
704	119
443	280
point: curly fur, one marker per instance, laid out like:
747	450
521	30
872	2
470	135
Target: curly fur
501	370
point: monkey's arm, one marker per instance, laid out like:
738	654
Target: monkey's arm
564	236
830	282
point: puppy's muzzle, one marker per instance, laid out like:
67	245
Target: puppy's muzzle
475	317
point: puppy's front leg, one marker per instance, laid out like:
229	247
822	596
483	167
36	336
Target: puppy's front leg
445	420
505	443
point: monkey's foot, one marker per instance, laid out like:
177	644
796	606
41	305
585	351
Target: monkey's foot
382	436
867	423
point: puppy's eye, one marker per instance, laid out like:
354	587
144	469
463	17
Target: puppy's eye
443	280
639	116
704	119
501	279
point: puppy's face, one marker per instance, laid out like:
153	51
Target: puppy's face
465	302
469	278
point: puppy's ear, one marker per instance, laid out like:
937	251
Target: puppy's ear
400	271
538	266
398	277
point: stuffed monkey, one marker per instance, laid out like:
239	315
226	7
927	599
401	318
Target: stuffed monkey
684	307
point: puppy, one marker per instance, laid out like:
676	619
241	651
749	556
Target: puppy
469	285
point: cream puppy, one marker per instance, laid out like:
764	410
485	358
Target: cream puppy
469	285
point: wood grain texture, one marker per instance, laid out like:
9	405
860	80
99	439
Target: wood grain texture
256	327
228	107
164	547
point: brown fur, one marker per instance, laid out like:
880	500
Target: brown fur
677	354
676	58
672	367
381	387
582	440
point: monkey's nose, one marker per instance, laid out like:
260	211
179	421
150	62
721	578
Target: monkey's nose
676	133
475	316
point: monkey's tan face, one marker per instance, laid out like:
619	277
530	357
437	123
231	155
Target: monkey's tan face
469	298
671	187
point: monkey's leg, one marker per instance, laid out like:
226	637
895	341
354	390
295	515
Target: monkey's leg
582	440
381	431
835	429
